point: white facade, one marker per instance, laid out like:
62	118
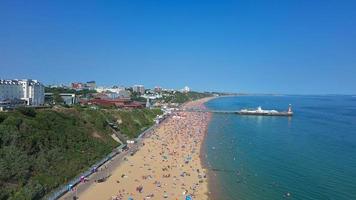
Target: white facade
31	91
119	91
186	89
139	89
151	96
115	90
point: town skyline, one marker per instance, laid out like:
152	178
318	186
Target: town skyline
153	86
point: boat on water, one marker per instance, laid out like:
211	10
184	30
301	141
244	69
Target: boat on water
260	111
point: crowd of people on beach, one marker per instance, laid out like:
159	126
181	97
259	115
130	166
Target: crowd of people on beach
166	166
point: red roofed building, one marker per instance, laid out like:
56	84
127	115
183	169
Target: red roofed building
77	86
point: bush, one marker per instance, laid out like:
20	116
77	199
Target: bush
41	152
134	121
27	111
179	97
2	117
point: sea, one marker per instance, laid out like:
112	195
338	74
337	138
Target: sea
309	156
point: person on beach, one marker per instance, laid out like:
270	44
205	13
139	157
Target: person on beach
167	164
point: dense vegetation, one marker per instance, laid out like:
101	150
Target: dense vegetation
56	91
65	90
42	149
133	122
58	100
180	97
135	96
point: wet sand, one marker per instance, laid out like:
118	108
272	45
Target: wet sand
166	165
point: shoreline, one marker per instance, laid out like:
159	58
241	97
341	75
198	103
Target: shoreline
211	175
203	155
181	171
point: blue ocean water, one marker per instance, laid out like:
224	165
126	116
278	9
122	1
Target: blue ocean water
311	155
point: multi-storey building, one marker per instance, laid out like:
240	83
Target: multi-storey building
91	85
139	89
30	91
158	89
77	86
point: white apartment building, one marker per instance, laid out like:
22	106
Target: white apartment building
31	91
139	89
118	91
106	89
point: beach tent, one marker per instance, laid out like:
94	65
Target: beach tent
82	179
69	187
188	197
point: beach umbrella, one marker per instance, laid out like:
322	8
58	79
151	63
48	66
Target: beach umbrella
188	197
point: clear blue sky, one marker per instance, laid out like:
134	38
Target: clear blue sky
286	46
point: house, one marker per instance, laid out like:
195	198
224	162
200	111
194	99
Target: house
68	98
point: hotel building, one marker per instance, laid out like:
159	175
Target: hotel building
139	89
27	90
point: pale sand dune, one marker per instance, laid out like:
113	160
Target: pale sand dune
168	164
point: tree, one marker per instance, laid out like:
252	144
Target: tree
30	112
57	98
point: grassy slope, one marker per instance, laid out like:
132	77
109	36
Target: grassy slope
43	149
135	121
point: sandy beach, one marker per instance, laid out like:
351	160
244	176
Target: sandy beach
167	163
